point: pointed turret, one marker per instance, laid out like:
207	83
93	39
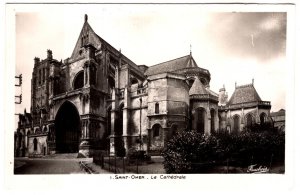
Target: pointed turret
223	96
197	88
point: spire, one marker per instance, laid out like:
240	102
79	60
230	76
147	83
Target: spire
190	49
85	17
252	81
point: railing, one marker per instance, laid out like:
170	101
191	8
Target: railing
67	93
204	97
138	164
193	70
247	104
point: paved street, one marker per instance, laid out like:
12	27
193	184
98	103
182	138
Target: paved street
48	166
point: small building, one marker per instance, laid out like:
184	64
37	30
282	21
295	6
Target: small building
244	109
278	119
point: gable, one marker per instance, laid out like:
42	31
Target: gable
87	35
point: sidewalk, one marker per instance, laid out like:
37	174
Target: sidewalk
96	169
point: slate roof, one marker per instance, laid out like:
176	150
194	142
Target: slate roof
198	88
212	93
244	94
172	65
281	112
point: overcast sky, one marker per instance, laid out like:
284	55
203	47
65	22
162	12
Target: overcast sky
233	46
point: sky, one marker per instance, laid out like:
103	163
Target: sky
233	46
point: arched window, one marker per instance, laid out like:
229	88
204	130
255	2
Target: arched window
236	123
249	120
84	39
191	81
212	120
262	118
203	81
45	129
109	121
79	80
156	108
220	122
156	130
134	81
111	84
27	141
35	144
40	76
199	120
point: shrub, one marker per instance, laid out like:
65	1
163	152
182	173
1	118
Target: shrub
190	148
181	151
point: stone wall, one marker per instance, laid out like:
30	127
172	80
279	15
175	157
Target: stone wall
42	148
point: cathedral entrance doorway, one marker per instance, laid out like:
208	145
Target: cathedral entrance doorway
67	129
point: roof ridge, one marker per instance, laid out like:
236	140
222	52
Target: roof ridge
109	45
246	85
168	61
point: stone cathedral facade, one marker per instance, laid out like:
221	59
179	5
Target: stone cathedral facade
98	99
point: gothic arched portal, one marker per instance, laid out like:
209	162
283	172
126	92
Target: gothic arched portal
67	129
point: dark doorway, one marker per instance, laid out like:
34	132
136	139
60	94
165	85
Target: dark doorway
199	119
35	144
119	143
67	129
212	121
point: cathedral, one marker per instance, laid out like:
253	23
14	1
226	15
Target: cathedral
98	99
